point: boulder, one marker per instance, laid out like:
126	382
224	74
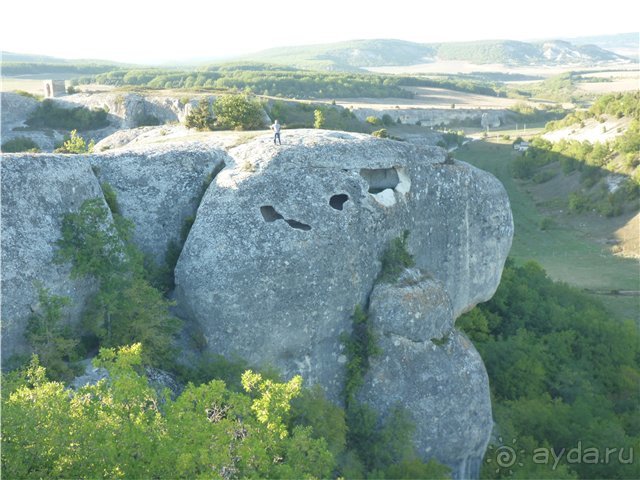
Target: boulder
159	188
288	240
37	190
431	370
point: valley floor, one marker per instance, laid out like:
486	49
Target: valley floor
574	250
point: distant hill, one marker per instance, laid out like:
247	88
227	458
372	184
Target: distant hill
15	64
12	57
350	55
357	54
627	44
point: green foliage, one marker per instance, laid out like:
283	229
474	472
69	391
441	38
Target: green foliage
302	115
274	403
110	197
126	307
50	335
395	259
75	144
238	112
312	409
375	121
561	371
20	144
200	117
615	104
49	115
360	347
382	133
122	428
318	119
387	121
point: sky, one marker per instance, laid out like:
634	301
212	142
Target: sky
139	31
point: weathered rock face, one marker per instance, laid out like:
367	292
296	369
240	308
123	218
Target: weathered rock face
287	242
127	110
37	190
431	370
158	189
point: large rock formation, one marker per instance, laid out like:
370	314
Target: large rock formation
288	239
430	369
159	189
286	242
37	190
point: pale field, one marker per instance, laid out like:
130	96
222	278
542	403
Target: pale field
428	98
35	85
461	67
620	81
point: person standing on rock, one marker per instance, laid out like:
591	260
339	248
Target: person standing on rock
276	130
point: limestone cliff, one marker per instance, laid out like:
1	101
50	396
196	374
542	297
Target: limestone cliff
286	242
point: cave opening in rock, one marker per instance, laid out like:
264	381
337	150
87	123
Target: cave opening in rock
269	214
380	179
337	201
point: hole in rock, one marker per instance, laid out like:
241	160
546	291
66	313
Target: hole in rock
298	225
269	214
338	201
380	179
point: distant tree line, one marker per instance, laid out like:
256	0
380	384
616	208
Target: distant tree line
263	79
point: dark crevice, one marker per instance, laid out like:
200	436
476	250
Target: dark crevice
298	225
338	201
269	214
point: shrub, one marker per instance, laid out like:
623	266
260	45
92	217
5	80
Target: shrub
75	144
382	133
387	121
238	112
373	120
395	259
49	115
200	117
319	120
20	144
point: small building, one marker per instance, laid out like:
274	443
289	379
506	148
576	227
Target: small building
54	88
521	146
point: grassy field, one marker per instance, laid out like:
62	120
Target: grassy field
567	254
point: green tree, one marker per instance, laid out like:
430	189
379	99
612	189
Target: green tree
238	112
122	428
319	120
75	144
200	117
126	308
50	335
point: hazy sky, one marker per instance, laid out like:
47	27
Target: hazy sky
144	31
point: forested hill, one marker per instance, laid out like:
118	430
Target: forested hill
374	53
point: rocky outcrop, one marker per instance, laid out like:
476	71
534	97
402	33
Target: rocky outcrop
129	110
431	370
37	190
287	242
159	189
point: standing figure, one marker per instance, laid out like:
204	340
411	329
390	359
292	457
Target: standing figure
276	130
